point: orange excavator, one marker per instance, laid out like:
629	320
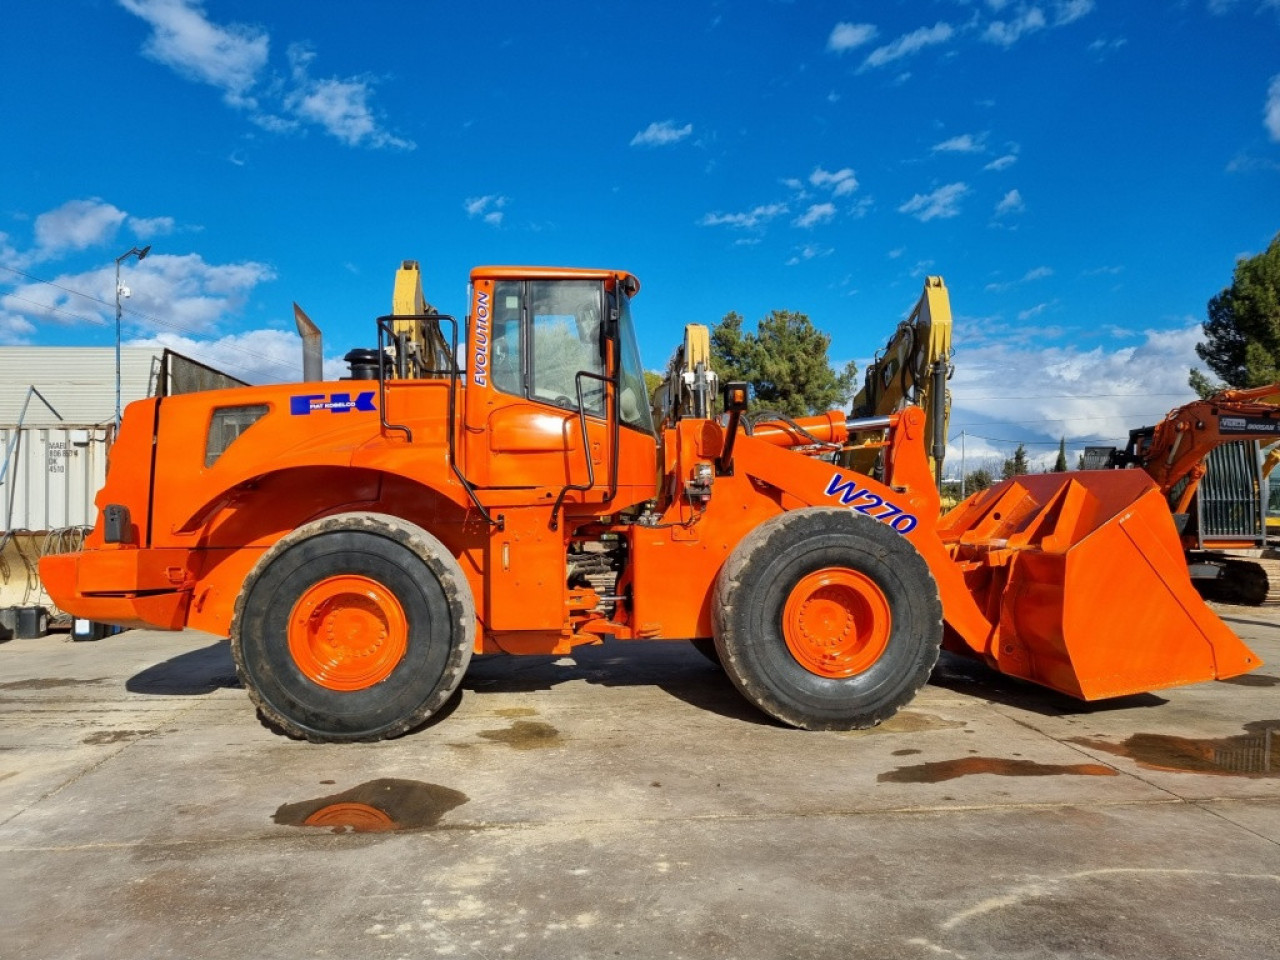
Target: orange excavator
1176	453
359	540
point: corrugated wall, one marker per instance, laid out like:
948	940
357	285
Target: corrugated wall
80	382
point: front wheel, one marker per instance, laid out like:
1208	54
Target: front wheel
355	627
827	620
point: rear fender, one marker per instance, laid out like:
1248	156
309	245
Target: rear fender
241	524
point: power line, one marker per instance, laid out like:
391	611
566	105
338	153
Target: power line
187	331
1036	443
1073	396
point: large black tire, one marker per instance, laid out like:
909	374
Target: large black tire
421	589
893	598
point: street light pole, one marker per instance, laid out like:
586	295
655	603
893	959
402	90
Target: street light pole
141	255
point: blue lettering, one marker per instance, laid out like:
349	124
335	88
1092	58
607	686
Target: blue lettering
847	491
861	500
339	402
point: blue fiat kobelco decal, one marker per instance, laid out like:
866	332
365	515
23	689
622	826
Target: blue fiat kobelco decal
306	403
861	500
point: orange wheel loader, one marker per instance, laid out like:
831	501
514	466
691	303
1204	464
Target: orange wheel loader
500	486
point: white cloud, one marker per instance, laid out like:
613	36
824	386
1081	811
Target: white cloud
144	228
1031	19
810	251
76	225
908	44
1006	33
1035	273
256	356
1032	312
942	203
14	328
1069	11
1272	110
1107	45
1143	381
180	292
661	134
489	208
1002	163
1011	203
183	39
816	214
233	58
965	143
745	221
841	183
846	36
339	106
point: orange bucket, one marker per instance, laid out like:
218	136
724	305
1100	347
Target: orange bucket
1083	576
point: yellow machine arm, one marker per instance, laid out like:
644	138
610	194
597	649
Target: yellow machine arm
913	368
421	348
689	389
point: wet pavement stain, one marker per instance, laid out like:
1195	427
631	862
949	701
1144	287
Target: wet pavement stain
525	735
908	721
112	736
48	683
941	770
1254	753
379	806
1253	680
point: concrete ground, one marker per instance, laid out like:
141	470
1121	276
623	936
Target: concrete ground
626	803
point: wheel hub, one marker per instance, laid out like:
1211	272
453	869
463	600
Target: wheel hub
836	622
347	633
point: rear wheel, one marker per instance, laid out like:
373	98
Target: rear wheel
827	620
354	627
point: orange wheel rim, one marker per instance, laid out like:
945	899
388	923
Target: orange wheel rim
836	622
347	633
358	817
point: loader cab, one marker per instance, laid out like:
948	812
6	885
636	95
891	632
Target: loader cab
555	403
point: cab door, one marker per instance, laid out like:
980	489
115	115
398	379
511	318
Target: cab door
537	372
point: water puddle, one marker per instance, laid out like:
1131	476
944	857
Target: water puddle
379	806
908	721
941	770
1254	753
48	683
525	735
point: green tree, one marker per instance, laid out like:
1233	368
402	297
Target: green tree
784	361
977	480
1060	465
652	381
1242	334
1016	465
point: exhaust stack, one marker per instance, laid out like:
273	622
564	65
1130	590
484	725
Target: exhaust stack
312	346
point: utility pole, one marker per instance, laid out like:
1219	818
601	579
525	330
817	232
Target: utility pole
141	255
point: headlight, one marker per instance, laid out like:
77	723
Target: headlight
226	425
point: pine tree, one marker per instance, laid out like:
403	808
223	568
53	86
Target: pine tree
1060	465
1242	334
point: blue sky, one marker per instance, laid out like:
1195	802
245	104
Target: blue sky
1083	173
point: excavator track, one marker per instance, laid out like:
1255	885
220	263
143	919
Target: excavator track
1250	581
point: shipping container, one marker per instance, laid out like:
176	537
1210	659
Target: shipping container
51	475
